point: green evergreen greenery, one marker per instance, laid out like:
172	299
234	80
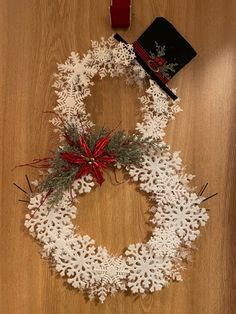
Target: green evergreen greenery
127	148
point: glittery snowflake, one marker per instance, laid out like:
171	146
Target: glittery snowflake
154	170
157	102
112	270
76	71
168	189
84	184
185	216
46	220
110	276
164	242
153	127
76	259
123	54
111	58
147	271
70	103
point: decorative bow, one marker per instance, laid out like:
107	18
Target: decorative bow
91	161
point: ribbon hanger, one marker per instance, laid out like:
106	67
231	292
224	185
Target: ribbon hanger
120	12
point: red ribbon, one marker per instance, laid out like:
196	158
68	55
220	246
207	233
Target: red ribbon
91	161
120	11
39	163
153	64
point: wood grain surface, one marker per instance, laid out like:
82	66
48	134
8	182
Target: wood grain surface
34	36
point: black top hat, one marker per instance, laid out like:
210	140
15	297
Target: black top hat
162	52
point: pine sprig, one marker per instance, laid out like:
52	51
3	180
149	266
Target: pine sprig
127	148
160	51
167	68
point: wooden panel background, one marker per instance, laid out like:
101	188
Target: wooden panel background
34	36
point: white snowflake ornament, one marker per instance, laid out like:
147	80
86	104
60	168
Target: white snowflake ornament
164	242
185	216
147	271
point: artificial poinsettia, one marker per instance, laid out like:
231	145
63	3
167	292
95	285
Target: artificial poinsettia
90	161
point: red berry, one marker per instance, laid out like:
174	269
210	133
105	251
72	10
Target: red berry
160	61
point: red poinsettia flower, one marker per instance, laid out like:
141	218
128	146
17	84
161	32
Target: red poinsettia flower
91	161
160	61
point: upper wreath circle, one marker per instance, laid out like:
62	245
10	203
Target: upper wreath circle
176	215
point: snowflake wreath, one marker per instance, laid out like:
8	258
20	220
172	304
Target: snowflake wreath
176	215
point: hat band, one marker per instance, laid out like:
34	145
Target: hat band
153	66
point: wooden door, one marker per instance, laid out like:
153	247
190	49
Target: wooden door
35	35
